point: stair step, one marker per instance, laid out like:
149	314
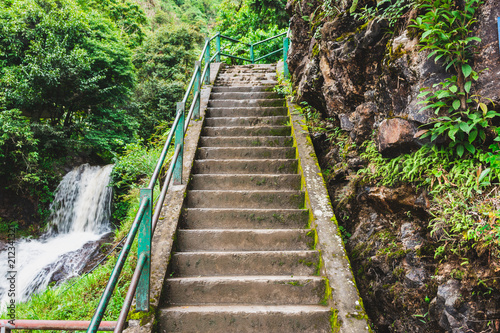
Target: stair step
245	199
244	182
192	240
220	218
238	103
271	290
247	131
245	95
216	153
254	88
246	121
255	111
249	141
245	263
241	166
246	318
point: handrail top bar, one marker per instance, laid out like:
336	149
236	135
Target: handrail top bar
163	154
191	84
270	38
207	42
269	54
235	40
234	57
66	325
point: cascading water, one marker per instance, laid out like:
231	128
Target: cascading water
80	217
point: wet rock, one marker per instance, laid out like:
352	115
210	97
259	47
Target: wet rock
444	308
387	199
395	137
363	119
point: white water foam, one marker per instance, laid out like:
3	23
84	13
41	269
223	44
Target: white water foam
80	217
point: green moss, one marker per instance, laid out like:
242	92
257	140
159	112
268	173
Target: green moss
315	50
328	292
334	321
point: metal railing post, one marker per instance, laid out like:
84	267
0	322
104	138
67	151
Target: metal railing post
217	44
144	248
179	140
197	89
252	57
207	62
286	42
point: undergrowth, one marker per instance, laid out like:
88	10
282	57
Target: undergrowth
465	205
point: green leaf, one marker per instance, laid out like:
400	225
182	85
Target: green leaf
483	107
469	147
482	135
456	104
453	89
483	174
464	127
467	86
460	150
466	70
472	135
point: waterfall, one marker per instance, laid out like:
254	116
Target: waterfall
80	215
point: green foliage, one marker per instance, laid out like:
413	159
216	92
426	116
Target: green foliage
64	63
251	21
463	216
462	116
164	64
128	16
392	11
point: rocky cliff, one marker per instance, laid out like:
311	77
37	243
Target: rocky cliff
364	76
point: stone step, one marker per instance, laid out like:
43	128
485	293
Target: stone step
255	88
254	111
239	82
216	240
246	121
269	290
252	67
291	263
240	166
246	153
239	103
246	318
249	141
245	199
245	95
227	218
250	75
247	131
245	182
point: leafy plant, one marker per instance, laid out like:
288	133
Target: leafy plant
385	10
462	116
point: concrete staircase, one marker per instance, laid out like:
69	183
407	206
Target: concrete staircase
244	259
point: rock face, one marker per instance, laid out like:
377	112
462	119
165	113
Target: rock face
366	78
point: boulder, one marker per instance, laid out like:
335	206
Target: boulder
396	136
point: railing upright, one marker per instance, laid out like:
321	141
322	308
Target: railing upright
252	56
197	89
217	45
179	140
144	249
286	42
206	79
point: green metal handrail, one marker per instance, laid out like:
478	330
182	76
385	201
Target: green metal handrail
145	221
